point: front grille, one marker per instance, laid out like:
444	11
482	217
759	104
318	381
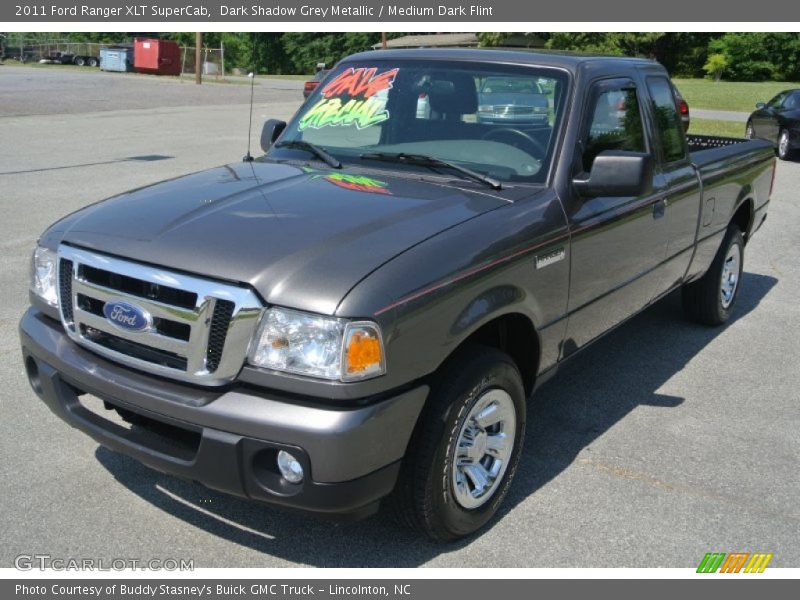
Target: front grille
166	327
140	351
187	328
219	331
511	109
137	287
65	289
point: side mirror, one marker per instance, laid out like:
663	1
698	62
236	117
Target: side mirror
271	131
760	105
618	173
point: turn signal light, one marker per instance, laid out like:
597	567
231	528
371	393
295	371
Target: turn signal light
363	352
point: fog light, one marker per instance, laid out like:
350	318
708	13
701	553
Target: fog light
290	468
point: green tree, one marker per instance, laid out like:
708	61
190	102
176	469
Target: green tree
759	56
589	42
715	66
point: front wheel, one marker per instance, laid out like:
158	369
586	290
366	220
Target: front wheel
710	299
784	153
463	454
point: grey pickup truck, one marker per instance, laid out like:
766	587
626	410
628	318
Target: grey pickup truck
359	315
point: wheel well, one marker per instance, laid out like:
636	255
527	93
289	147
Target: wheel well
515	335
743	217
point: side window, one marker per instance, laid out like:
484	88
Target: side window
667	120
616	124
777	100
791	102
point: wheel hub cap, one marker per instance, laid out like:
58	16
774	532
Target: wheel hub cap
483	448
730	275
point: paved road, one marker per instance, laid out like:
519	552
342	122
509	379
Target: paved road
720	115
53	90
664	441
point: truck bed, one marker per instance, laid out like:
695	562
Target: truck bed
710	151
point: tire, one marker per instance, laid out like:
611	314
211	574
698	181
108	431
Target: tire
80	61
710	300
784	152
433	494
93	62
749	131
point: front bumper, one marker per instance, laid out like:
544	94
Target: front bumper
226	439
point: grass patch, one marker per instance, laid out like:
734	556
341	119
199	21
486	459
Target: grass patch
729	95
714	127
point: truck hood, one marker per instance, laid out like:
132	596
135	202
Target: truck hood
301	237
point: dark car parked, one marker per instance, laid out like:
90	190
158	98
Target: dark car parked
512	100
778	121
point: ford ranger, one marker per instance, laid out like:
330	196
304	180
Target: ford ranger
360	314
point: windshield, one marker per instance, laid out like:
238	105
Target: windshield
497	120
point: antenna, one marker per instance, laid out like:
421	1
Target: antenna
252	75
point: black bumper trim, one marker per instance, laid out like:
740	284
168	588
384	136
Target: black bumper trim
224	461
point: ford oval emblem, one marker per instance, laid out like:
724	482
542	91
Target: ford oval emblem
127	316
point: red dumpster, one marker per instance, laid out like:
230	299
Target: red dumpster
157	57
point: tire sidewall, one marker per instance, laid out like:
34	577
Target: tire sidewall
455	519
783	155
733	238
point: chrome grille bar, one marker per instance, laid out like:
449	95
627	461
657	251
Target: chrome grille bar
210	358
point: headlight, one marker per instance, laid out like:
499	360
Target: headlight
318	346
43	275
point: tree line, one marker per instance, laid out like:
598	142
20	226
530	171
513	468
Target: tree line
748	56
735	56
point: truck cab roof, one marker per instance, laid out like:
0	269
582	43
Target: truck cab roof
558	59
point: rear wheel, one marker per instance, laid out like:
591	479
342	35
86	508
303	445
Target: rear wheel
93	62
710	299
80	61
463	454
784	153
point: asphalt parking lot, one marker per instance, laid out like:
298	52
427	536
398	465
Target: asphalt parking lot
664	441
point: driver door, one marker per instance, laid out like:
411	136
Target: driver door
617	242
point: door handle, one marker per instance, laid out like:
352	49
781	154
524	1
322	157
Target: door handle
659	208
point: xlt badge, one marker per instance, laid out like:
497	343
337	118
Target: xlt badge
543	260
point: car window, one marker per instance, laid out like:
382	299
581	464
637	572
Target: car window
616	124
666	119
509	85
777	100
437	108
792	101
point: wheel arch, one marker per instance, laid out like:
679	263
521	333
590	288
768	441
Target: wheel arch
513	333
743	217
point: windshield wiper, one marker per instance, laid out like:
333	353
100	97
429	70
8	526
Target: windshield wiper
432	161
320	153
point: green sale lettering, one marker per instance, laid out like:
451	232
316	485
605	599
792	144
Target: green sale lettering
353	98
